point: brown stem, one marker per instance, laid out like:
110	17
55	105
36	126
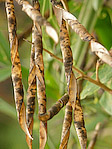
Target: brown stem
82	74
24	34
52	55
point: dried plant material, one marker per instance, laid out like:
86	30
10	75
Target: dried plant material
71	83
97	70
35	15
101	52
66	51
28	140
31	92
54	109
97	47
41	94
72	90
22	120
65	14
58	16
110	51
39	70
79	124
94	138
16	67
43	134
66	126
65	4
40	85
32	85
58	13
80	30
72	21
52	33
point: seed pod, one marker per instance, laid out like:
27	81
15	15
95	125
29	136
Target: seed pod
79	124
31	92
72	89
101	52
16	67
97	48
66	126
66	51
41	94
54	109
72	21
40	85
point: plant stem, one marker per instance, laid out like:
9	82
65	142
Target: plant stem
43	7
50	8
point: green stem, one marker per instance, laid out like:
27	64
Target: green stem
43	7
50	8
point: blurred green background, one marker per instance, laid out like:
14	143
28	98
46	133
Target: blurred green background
96	16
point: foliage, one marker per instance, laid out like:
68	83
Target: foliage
96	17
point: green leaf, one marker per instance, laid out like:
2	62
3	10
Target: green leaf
7	109
103	29
5	73
4	50
110	13
105	74
106	102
